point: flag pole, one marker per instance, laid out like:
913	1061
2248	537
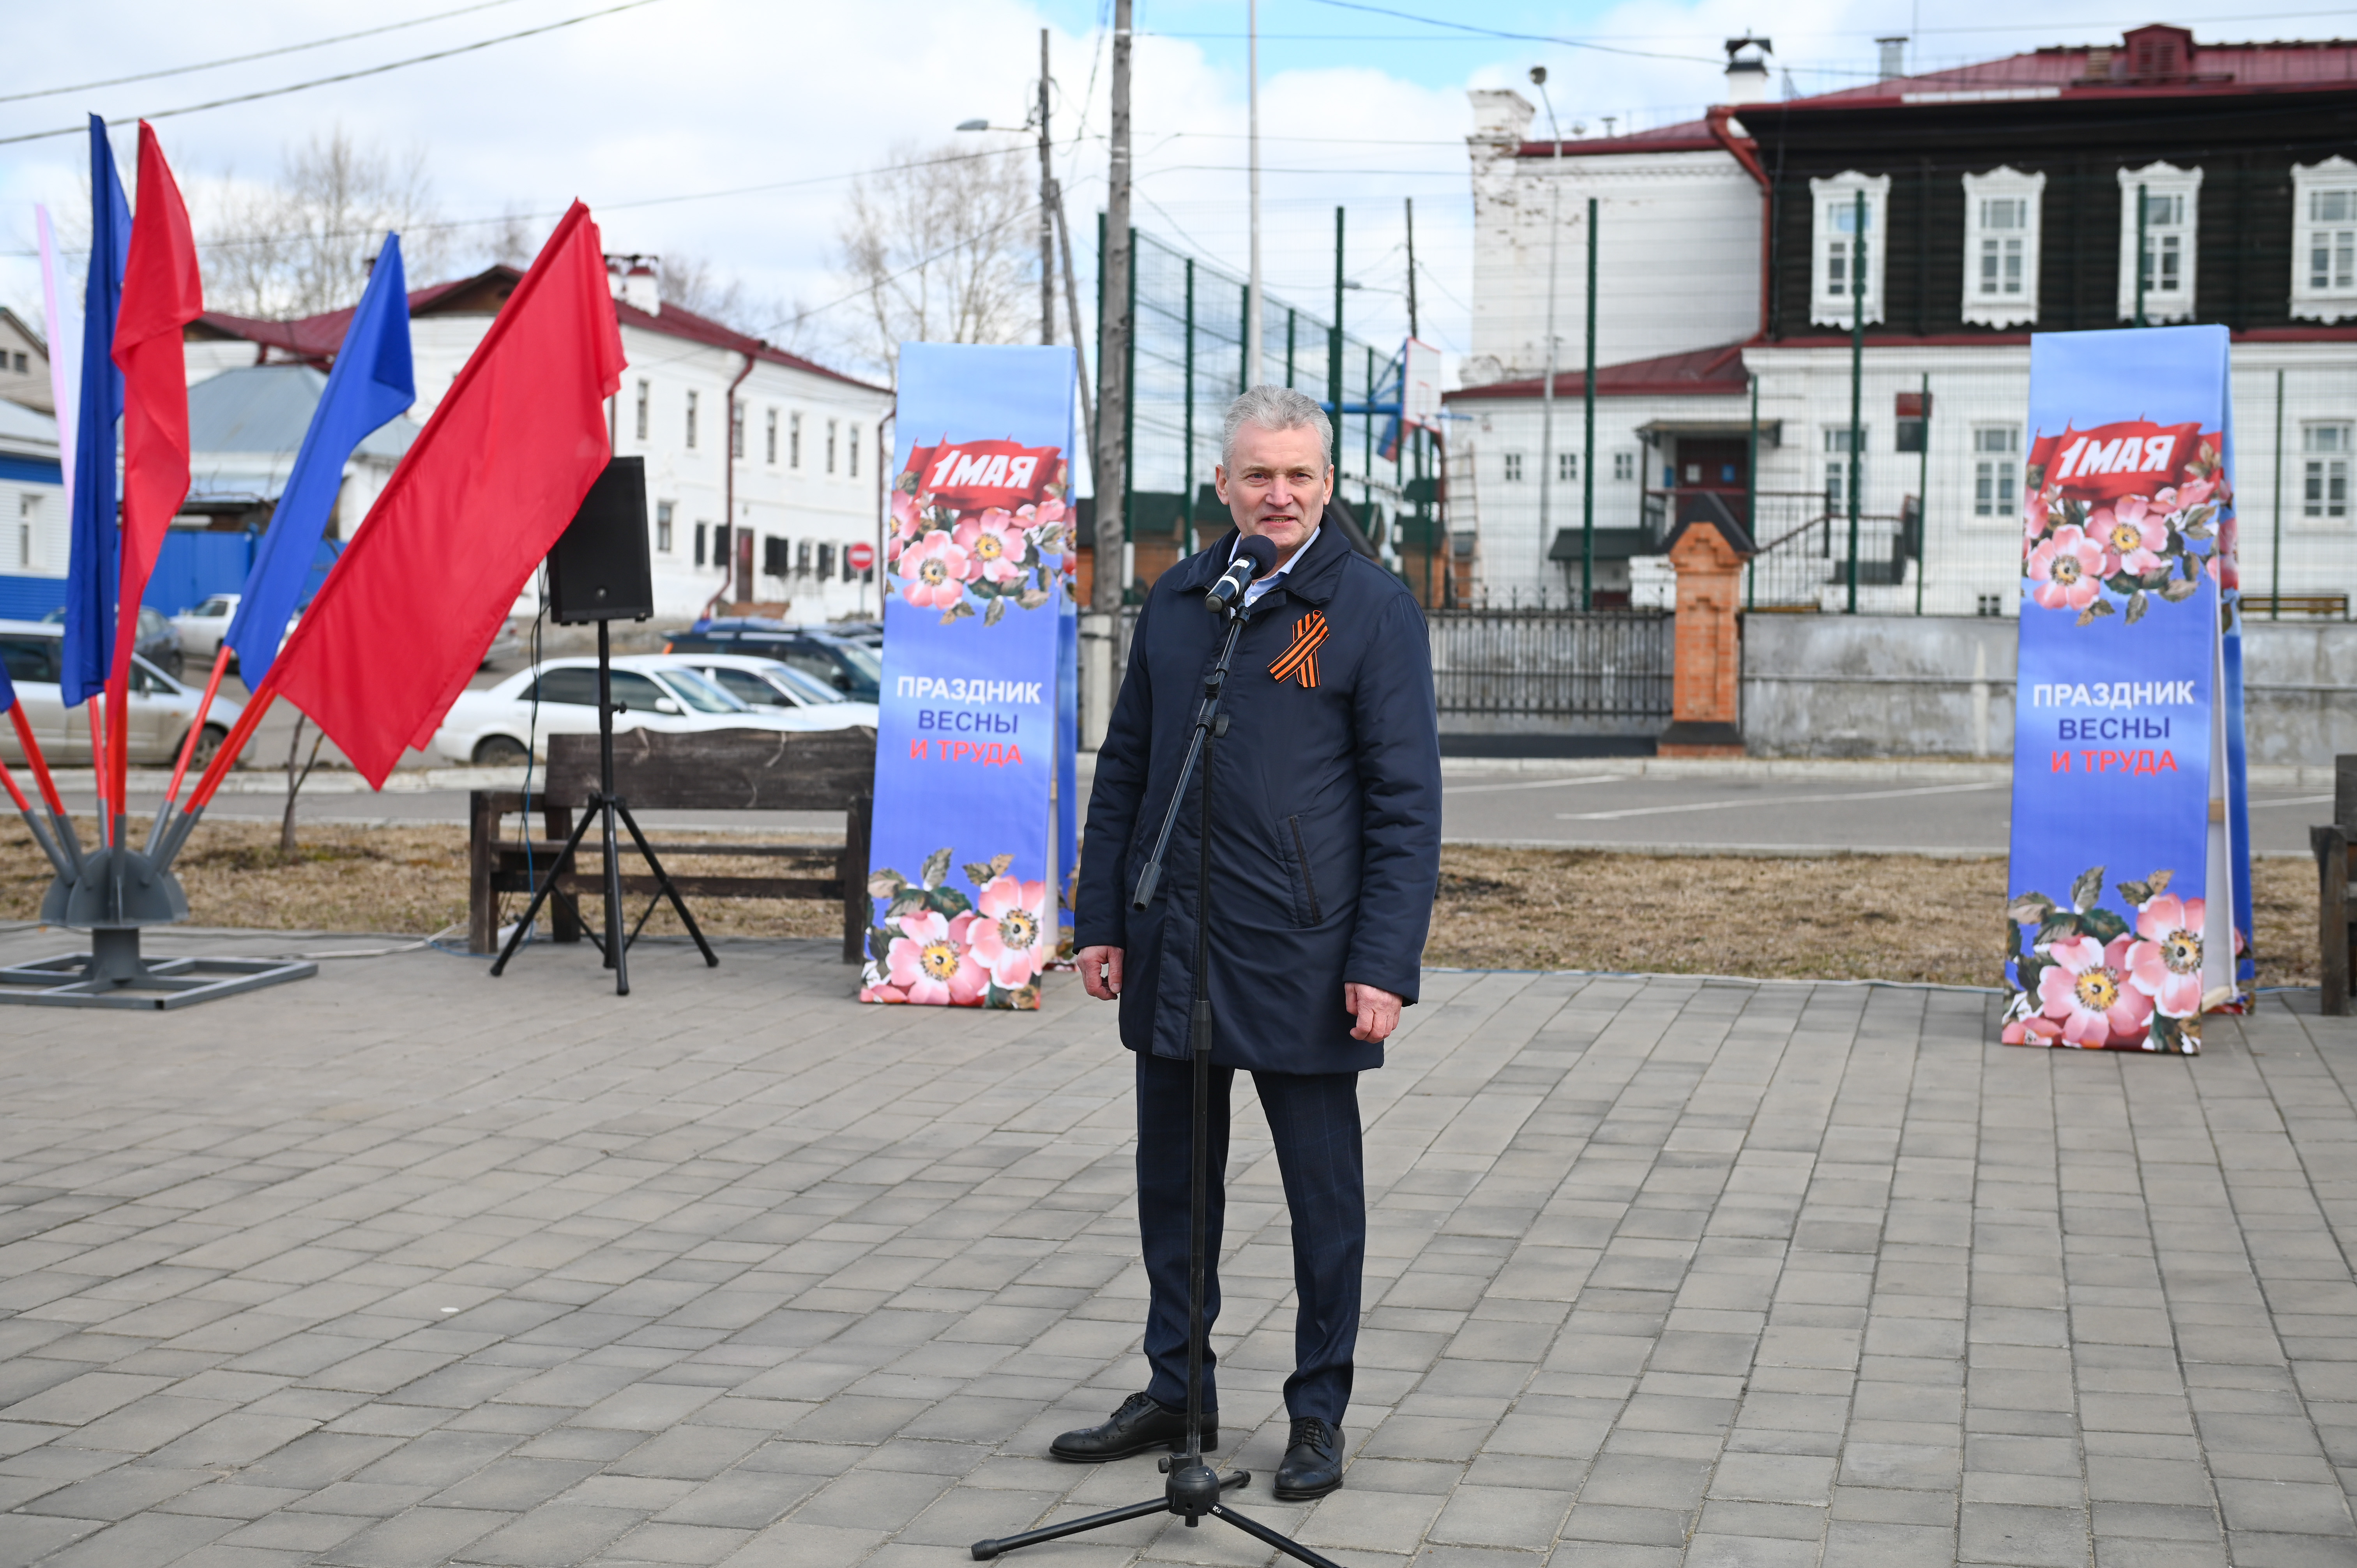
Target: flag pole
98	752
48	786
63	866
188	746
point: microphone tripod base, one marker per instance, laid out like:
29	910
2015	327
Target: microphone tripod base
1194	1491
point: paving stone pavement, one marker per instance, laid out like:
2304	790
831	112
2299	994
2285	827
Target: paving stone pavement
404	1265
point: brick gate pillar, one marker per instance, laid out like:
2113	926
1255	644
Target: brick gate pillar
1707	716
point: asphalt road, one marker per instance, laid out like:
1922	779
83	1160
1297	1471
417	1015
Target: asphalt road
1605	810
1782	816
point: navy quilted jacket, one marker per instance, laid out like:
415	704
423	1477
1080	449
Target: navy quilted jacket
1326	812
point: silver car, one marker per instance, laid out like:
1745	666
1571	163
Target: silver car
161	708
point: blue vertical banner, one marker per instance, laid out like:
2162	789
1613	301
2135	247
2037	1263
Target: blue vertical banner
964	873
2128	869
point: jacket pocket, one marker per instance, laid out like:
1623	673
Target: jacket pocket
1301	859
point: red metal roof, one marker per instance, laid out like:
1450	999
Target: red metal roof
316	338
1700	372
2183	66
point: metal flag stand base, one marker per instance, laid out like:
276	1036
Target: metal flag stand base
112	894
1192	1490
112	974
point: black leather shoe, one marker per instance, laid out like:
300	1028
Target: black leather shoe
1313	1461
1140	1426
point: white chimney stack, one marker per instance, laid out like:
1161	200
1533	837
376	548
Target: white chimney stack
639	289
1747	72
1894	57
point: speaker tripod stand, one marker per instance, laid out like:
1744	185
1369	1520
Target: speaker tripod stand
1193	1489
607	808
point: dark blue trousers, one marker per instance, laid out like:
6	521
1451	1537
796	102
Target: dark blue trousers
1315	1120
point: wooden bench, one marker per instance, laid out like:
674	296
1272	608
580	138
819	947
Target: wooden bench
717	770
2334	605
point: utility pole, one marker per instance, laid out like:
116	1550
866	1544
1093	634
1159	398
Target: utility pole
1113	359
1334	344
1546	387
1251	157
1047	208
1410	266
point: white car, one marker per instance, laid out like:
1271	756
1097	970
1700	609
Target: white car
161	707
201	630
496	727
770	684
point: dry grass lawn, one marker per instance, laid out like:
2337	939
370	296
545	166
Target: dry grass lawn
1839	918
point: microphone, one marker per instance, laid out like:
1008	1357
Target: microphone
1256	557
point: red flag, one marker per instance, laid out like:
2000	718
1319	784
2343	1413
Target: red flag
162	293
402	622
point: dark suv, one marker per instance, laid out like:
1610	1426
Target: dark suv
851	667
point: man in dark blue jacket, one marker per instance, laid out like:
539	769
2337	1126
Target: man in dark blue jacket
1325	857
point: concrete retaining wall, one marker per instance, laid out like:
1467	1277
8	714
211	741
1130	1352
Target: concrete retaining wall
1823	685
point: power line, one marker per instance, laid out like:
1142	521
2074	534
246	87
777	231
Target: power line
601	206
258	54
343	76
1598	38
1522	37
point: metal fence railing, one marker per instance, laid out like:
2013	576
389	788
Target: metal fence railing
1606	672
1188	362
1940	475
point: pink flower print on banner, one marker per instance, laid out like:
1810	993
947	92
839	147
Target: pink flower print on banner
2085	990
993	541
2068	570
2166	963
908	517
930	965
2133	531
2187	496
2037	1029
933	572
1010	935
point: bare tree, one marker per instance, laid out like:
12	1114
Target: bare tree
304	242
935	246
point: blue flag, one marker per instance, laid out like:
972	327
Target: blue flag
93	564
370	384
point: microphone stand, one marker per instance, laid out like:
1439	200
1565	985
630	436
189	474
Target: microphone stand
1193	1488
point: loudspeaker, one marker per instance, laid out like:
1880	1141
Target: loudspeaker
600	569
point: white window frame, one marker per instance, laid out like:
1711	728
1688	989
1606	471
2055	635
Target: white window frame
1510	467
1624	467
1831	201
769	436
1836	442
645	408
691	419
2161	179
2002	184
2321	471
794	440
2336	301
1566	468
834	432
1997	496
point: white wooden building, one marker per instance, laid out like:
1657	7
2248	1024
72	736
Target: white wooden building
2000	200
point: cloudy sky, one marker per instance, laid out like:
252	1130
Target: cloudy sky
729	129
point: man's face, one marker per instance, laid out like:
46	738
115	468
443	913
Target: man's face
1278	486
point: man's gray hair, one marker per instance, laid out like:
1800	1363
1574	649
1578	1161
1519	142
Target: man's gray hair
1274	408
